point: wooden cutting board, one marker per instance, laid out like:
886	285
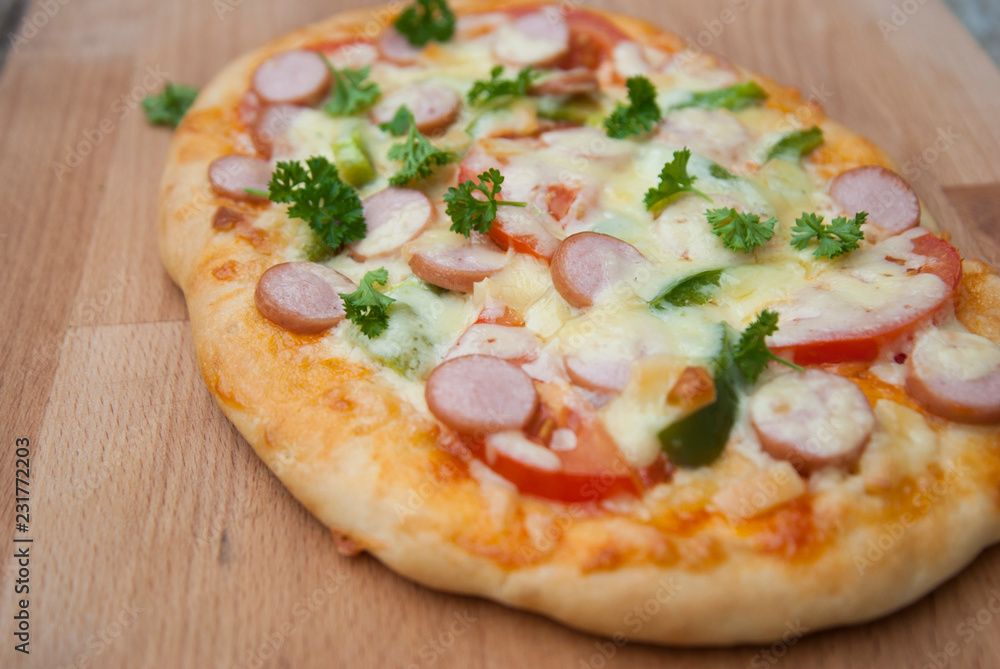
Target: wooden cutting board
159	538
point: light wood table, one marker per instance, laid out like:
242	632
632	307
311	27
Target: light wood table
159	538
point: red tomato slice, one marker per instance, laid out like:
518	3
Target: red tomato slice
864	344
592	471
591	38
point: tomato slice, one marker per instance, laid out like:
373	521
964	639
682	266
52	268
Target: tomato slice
861	340
594	470
591	38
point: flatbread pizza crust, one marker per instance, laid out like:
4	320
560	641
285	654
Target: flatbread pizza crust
666	571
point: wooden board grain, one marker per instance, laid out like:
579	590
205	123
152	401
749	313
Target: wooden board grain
160	539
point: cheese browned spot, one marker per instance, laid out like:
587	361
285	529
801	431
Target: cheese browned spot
956	375
812	419
302	297
480	394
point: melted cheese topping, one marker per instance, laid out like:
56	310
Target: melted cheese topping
612	176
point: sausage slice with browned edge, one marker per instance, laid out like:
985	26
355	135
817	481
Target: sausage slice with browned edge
812	419
270	127
393	216
578	81
481	394
394	47
956	375
587	263
608	376
890	202
302	297
539	39
456	268
235	174
434	106
292	77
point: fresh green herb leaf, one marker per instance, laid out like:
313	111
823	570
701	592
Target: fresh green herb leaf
169	107
751	354
469	212
366	307
418	155
796	144
641	114
740	231
674	183
257	192
426	20
399	124
840	237
720	172
700	438
694	289
352	91
319	197
734	98
483	92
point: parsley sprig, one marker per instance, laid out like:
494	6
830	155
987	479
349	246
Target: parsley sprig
839	237
674	183
740	231
418	155
469	212
426	20
319	197
352	91
495	88
751	353
169	107
796	144
641	114
366	307
734	98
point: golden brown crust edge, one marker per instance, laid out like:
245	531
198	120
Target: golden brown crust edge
367	466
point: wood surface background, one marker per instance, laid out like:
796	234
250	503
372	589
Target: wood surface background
159	538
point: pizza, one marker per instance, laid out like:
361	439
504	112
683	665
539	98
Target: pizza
541	304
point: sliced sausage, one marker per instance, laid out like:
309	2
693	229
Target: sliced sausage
956	375
434	106
481	394
234	174
394	47
268	131
539	39
587	263
606	376
393	216
302	297
578	81
499	341
890	202
292	77
812	419
456	268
